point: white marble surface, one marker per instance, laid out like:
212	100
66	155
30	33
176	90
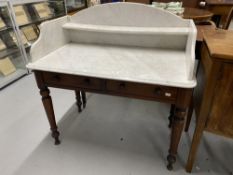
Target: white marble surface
128	14
157	54
120	63
157	37
169	41
190	51
52	37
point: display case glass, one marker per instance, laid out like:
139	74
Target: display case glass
75	5
19	28
30	15
12	60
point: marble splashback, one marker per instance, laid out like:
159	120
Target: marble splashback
52	36
190	51
163	41
128	14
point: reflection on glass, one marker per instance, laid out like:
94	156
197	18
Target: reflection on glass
28	17
73	5
43	10
21	15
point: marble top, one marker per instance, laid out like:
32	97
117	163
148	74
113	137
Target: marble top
120	63
115	41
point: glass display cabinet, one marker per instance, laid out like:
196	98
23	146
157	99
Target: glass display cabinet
19	28
12	57
75	5
30	15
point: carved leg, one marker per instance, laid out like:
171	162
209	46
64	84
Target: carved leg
170	118
84	98
78	102
177	127
48	106
189	116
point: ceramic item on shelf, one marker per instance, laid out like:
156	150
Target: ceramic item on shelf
43	10
29	33
6	66
159	5
2	45
21	15
2	23
173	7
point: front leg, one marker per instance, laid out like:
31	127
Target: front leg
78	100
170	118
84	98
48	106
177	128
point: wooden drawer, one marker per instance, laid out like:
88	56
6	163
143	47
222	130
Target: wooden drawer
72	81
153	91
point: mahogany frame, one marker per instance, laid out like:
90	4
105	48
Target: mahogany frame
179	98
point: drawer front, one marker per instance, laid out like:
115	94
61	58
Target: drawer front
72	81
152	91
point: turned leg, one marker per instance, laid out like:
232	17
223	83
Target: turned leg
78	100
177	128
84	98
189	116
48	106
170	118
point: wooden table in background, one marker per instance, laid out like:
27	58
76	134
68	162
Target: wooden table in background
201	28
198	15
213	95
222	10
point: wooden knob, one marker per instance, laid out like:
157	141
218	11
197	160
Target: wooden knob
122	85
57	77
87	81
158	91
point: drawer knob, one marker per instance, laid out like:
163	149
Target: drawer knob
121	85
57	77
167	94
158	91
87	81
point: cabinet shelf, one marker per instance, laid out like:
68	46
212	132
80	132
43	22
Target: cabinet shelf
9	51
5	28
31	23
37	22
5	80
